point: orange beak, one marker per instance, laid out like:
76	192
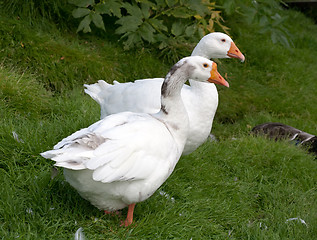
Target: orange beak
234	52
215	77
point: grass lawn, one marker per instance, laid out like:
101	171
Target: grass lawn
239	187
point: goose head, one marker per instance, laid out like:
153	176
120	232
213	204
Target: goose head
196	68
217	45
204	69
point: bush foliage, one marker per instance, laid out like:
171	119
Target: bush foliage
171	26
155	22
265	15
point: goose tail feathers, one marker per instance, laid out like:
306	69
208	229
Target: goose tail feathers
97	90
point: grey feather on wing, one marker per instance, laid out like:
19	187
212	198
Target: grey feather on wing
91	141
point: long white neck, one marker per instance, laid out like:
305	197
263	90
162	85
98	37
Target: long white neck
200	50
173	113
202	105
171	91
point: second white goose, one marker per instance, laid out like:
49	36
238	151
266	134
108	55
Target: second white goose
200	99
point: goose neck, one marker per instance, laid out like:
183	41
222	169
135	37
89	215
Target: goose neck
202	87
200	50
171	89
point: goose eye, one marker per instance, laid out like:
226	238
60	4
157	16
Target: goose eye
205	65
223	40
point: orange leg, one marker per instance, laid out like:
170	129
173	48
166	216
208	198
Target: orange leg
129	219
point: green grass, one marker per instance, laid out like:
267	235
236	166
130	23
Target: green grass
240	187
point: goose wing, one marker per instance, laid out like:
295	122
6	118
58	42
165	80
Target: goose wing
121	147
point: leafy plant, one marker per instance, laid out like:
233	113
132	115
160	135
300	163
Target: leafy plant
151	21
265	14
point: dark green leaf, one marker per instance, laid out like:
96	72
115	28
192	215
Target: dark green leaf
133	9
115	7
161	3
190	30
133	39
171	3
80	12
146	32
97	20
82	3
229	6
110	7
250	15
198	7
263	21
128	24
145	8
181	12
267	11
102	8
278	20
163	45
177	28
284	41
84	24
158	24
201	32
145	1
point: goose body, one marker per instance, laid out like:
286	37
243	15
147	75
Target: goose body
200	98
124	158
119	171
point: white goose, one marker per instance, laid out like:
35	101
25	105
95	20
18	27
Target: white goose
124	158
200	99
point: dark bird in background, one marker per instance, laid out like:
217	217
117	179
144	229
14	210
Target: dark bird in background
279	131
